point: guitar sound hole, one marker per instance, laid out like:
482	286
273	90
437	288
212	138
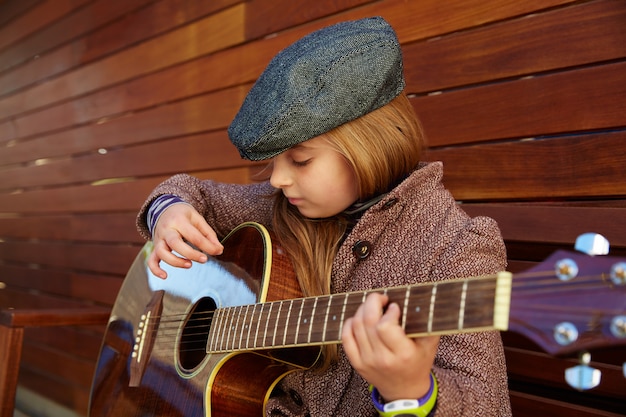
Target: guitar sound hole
194	337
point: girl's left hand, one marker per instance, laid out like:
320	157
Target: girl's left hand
380	351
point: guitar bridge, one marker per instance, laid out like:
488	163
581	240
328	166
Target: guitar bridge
144	338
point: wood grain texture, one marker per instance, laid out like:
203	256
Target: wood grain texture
501	51
36	18
201	37
35	48
99	29
560	103
577	166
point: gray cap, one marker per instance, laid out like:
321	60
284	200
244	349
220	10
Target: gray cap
327	78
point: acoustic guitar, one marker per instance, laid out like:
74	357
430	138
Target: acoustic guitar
215	339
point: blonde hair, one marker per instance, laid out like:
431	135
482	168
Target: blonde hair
383	147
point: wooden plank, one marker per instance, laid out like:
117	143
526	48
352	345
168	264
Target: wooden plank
265	17
11	341
37	18
198	114
218	31
94	32
565	102
89	287
556	224
55	317
83	342
61	392
527	405
564	167
518	47
94	258
30	299
190	153
48	360
99	227
540	368
72	25
12	9
119	196
425	19
110	196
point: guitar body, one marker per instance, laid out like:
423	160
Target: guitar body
153	362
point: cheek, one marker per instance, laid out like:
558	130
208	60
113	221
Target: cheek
341	187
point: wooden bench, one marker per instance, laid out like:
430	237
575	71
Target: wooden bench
18	313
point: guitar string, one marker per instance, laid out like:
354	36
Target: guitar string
203	324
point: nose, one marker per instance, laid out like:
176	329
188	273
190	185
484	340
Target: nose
280	177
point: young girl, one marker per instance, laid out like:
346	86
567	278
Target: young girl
354	207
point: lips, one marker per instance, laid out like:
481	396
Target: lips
294	201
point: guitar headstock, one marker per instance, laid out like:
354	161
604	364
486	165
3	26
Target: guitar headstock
571	302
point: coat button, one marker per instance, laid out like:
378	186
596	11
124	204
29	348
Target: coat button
361	249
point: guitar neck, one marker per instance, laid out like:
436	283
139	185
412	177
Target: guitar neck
456	306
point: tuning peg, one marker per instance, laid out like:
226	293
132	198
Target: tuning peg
592	244
583	377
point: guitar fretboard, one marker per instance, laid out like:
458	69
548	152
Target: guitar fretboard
447	307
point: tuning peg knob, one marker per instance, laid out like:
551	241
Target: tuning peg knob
618	273
592	244
583	377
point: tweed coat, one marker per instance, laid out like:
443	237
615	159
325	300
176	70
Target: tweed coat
416	233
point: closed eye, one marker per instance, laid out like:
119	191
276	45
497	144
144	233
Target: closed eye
301	163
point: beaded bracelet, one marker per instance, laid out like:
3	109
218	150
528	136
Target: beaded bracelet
419	408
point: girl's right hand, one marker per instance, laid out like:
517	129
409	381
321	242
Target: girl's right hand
179	224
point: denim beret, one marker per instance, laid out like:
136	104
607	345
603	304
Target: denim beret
326	79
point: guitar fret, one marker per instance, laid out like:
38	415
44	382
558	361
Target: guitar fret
405	307
311	319
258	322
287	322
343	314
295	339
333	326
227	324
462	305
218	336
243	325
249	326
267	323
233	328
214	325
276	324
328	302
479	304
431	311
232	332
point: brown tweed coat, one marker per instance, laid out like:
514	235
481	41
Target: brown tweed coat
418	234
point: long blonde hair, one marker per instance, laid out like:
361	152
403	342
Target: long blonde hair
382	147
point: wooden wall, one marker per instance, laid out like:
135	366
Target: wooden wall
523	100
